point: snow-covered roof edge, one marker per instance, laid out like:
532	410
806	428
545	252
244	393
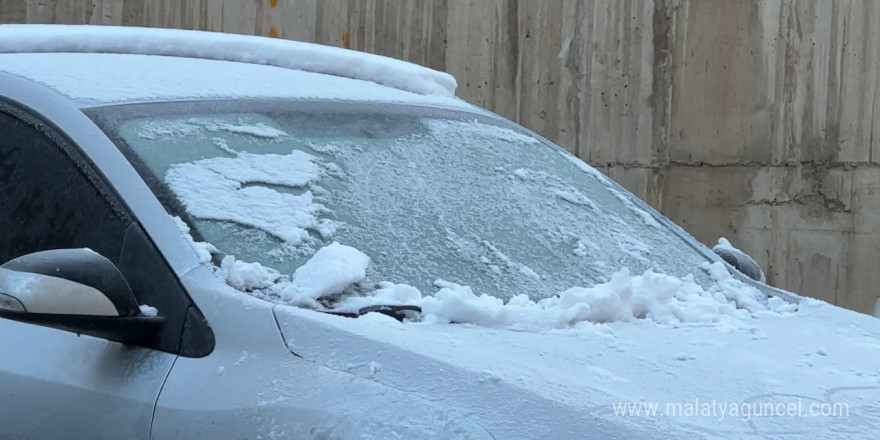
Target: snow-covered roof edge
36	38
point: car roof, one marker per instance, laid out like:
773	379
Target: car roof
99	65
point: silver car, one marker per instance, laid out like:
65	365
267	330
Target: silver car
227	237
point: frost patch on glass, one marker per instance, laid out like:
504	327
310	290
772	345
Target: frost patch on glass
475	129
232	189
644	215
555	187
163	129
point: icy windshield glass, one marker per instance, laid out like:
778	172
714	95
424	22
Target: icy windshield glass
431	197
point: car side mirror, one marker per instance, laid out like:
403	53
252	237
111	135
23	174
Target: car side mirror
740	260
75	290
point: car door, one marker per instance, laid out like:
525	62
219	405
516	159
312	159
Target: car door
55	384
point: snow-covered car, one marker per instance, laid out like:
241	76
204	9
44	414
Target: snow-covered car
227	237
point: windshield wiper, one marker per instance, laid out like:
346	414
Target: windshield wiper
398	312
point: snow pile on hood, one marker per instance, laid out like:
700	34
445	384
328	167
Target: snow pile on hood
329	271
247	277
653	296
626	297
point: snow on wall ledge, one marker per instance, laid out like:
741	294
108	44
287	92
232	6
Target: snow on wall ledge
227	47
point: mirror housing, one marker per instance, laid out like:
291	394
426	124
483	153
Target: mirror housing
75	290
740	260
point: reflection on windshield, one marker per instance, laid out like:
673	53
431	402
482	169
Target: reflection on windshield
430	200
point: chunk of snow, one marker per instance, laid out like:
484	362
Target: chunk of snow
741	297
148	311
247	276
329	271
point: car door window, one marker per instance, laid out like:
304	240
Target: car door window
48	201
52	198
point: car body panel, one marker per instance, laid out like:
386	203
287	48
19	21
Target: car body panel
578	375
251	386
56	384
437	371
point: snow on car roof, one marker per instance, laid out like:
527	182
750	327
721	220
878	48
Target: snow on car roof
227	47
106	64
93	79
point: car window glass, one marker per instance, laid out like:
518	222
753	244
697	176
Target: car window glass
426	198
51	199
52	203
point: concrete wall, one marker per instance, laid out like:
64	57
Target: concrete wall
748	119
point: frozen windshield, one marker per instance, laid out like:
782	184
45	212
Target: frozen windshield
429	196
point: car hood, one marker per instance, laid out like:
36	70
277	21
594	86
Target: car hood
813	372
